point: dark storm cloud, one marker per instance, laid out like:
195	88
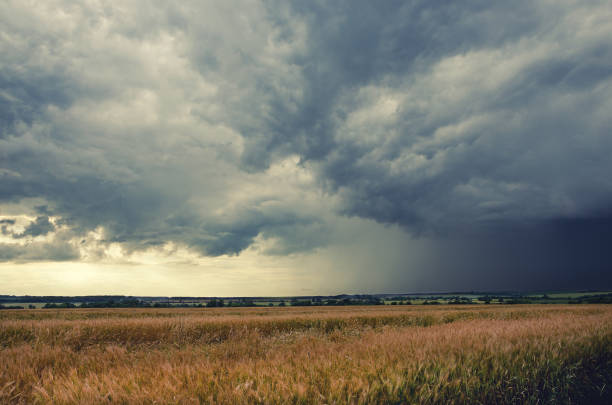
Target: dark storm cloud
26	97
511	129
234	237
38	252
352	44
527	142
451	121
40	226
4	224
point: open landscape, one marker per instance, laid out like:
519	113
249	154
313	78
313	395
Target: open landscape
351	354
305	202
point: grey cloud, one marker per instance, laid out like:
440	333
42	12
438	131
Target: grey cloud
297	238
516	121
59	250
40	226
498	125
526	143
236	232
353	44
446	120
133	179
4	226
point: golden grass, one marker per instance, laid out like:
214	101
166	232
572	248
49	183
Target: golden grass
476	354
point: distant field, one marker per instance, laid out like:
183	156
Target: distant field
372	354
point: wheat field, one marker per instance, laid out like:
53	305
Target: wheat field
334	355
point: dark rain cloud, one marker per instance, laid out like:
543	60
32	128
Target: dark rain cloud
39	227
455	122
500	111
38	251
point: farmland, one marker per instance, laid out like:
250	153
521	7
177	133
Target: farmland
352	354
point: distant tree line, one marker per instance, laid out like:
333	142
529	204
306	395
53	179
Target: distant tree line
366	300
121	304
341	300
11	306
60	299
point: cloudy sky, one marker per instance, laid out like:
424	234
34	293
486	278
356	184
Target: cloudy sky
304	147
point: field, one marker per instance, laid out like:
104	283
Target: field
371	354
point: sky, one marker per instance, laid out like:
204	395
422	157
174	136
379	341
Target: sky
244	148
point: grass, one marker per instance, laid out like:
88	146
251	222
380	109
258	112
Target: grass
391	354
